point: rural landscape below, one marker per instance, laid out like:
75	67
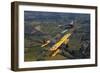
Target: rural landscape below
56	36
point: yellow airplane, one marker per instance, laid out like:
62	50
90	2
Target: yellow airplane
55	48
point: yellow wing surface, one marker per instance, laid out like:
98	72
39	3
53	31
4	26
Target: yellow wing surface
62	40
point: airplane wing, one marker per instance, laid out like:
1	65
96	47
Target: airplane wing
63	39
